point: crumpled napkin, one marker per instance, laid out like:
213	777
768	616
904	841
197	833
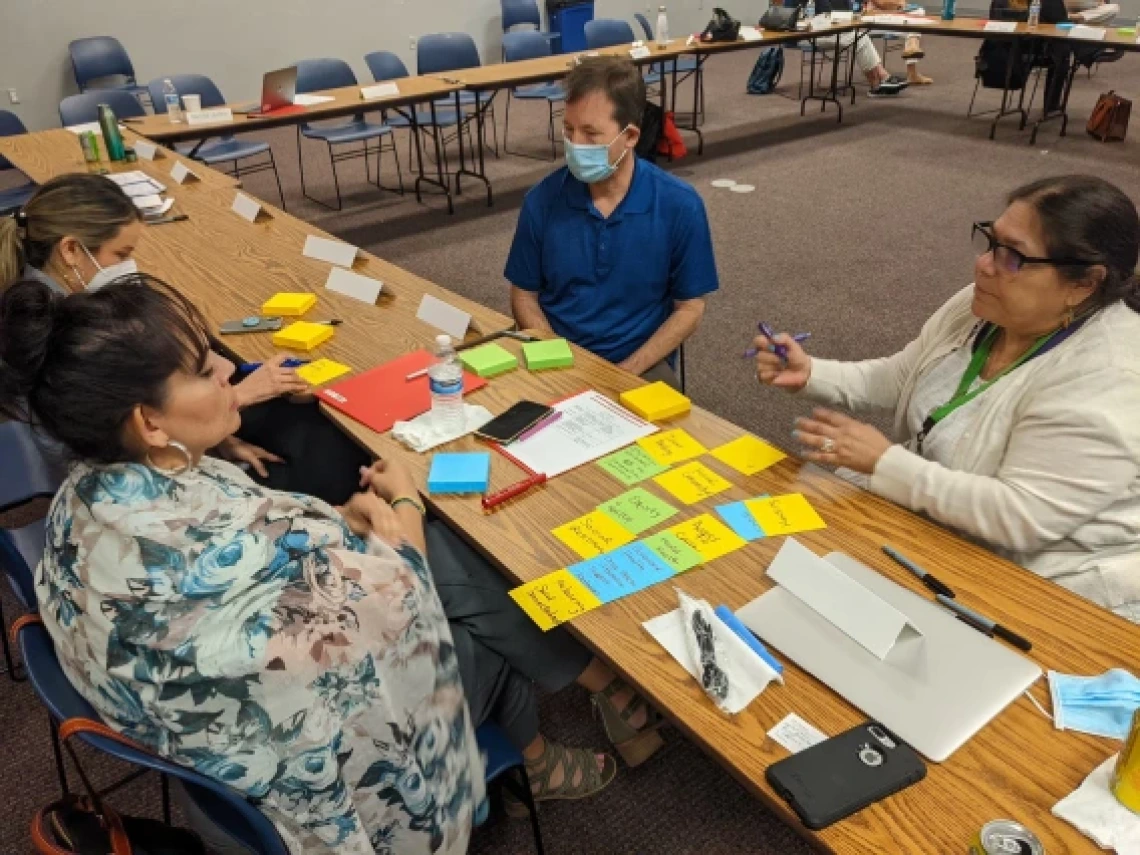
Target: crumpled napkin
1095	812
421	433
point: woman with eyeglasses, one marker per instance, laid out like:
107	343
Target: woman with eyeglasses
1016	411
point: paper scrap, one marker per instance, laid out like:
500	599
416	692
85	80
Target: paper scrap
554	598
673	551
694	482
631	465
740	520
795	734
321	371
593	534
708	536
748	455
785	514
672	446
638	510
622	572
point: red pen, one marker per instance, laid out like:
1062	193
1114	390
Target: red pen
546	421
495	499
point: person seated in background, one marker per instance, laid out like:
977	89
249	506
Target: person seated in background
306	655
1016	411
1091	11
881	81
612	252
78	232
1054	54
912	44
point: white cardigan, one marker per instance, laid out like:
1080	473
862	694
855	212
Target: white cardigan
1048	472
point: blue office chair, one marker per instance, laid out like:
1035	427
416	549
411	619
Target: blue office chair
224	807
439	53
13	198
227	148
84	108
100	58
531	45
313	75
518	13
682	69
610	32
502	757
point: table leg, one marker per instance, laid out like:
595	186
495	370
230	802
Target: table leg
478	156
1014	48
439	182
851	67
829	95
1063	113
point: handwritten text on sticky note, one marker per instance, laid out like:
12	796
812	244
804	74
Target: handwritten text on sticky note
594	534
674	551
708	536
638	510
693	482
555	598
785	514
671	446
631	465
622	572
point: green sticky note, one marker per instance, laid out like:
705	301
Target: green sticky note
489	360
673	551
1126	31
638	510
631	465
541	355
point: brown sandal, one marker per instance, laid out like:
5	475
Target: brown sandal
635	745
572	761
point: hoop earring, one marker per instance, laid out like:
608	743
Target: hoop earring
177	470
1067	320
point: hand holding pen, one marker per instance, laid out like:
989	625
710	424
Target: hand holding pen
781	360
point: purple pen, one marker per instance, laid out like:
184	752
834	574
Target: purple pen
781	350
546	421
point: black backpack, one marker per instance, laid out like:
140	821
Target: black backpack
652	126
767	72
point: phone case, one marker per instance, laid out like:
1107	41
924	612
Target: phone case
509	426
238	327
844	774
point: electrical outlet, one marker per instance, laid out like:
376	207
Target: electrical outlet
13	98
411	42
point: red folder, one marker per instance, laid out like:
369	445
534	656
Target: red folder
383	396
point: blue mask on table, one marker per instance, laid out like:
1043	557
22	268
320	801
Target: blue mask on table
591	163
1102	706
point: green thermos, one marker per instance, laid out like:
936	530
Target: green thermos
111	136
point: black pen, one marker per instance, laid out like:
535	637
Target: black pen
177	218
936	585
990	627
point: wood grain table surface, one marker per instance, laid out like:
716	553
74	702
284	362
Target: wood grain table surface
1017	767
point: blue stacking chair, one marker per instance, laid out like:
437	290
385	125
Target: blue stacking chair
531	45
682	69
610	32
101	58
313	75
439	53
521	13
83	108
13	198
502	757
226	148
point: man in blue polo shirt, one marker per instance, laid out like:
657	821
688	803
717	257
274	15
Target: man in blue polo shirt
611	252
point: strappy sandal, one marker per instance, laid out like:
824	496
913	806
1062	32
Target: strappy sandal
577	764
635	745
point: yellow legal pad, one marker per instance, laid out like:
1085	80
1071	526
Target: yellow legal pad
748	455
593	534
554	598
288	305
656	402
321	371
303	335
787	514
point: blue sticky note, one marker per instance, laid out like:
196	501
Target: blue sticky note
460	473
622	572
740	520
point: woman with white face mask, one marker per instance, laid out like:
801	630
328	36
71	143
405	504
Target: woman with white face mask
79	233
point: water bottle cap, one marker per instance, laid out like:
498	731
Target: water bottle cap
443	341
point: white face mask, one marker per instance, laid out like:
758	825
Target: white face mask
106	275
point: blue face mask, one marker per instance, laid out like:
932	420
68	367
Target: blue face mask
591	163
1102	706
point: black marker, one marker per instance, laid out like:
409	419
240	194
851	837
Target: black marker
936	585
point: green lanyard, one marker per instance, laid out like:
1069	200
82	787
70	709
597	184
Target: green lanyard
964	394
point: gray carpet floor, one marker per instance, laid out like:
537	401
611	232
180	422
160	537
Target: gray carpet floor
856	232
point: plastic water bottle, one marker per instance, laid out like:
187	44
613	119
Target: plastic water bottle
173	105
1034	14
856	10
809	10
662	28
445	379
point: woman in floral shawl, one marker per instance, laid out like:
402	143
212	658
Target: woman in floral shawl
297	652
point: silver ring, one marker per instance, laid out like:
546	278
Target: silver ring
828	445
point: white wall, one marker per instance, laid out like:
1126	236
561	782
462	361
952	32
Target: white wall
236	41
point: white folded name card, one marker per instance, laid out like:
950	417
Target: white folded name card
1000	27
213	116
863	615
380	90
247	208
444	316
363	288
332	251
145	150
181	173
1090	33
640	52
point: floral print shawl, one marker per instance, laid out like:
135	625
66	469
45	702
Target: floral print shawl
250	634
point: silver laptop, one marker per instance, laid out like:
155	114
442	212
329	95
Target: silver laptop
935	690
278	89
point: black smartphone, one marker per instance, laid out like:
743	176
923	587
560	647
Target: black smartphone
507	427
842	775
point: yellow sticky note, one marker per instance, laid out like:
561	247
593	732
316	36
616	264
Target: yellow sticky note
288	305
671	446
321	371
302	335
785	514
748	455
555	598
708	536
593	534
656	402
693	482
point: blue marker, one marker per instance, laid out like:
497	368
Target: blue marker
249	367
748	637
781	350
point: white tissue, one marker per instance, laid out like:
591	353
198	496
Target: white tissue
421	434
1096	813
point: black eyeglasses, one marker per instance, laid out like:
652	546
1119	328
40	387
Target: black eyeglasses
1008	258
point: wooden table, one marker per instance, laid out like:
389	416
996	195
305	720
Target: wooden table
1017	767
